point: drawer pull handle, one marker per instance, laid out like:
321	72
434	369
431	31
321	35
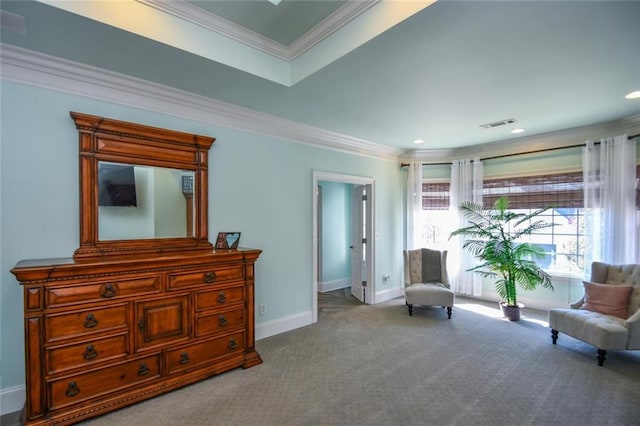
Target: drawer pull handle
209	277
232	344
90	321
141	324
143	370
222	298
108	291
222	321
184	358
72	389
90	353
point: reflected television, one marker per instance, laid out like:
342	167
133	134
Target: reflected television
116	185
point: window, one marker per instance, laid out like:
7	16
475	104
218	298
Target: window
437	221
563	243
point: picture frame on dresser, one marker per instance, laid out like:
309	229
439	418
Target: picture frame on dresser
127	318
228	240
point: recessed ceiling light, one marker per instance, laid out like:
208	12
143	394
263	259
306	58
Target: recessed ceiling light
633	95
517	131
418	141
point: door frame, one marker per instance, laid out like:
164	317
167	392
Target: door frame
370	267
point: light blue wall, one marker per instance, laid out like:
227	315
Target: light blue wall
336	231
259	186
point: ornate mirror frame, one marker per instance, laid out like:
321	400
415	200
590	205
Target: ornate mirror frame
103	139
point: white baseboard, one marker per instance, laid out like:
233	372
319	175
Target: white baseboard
12	399
324	286
280	325
384	295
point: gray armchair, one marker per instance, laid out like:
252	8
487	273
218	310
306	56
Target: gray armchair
605	332
425	279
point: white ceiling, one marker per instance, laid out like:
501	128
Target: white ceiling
284	23
387	71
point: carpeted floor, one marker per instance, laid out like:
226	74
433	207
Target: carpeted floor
375	365
336	301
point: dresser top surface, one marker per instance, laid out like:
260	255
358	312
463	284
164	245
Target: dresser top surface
43	269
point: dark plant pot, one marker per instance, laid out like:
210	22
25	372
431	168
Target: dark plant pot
512	313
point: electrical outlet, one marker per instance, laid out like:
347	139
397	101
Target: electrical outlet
262	309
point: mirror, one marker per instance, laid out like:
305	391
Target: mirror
143	190
136	202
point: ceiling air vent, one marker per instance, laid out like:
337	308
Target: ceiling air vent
498	123
11	21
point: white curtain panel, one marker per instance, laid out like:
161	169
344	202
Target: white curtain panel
466	185
414	206
611	221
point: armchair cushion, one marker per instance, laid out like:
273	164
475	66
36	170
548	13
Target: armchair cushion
602	331
425	266
429	294
608	299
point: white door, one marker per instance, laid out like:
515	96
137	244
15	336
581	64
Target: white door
358	242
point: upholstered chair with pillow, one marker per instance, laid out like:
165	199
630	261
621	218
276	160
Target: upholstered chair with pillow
608	315
425	279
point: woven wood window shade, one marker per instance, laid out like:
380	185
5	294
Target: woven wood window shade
435	196
563	190
531	192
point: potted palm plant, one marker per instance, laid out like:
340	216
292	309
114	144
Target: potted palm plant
492	236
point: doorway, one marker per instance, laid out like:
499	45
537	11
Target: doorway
361	249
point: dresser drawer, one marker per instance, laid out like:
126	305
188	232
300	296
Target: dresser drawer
206	277
95	291
86	321
219	297
219	321
204	352
83	354
73	389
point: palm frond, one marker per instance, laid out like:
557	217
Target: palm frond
532	228
526	217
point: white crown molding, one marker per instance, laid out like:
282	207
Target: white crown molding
332	23
27	67
632	124
560	139
188	12
211	22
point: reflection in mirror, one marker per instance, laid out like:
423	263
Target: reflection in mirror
142	202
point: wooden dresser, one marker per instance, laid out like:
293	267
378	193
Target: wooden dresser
101	335
146	304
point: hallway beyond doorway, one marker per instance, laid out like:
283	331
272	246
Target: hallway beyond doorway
335	301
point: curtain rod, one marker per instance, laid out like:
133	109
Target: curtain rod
518	153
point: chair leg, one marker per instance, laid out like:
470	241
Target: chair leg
554	336
449	311
602	354
410	306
